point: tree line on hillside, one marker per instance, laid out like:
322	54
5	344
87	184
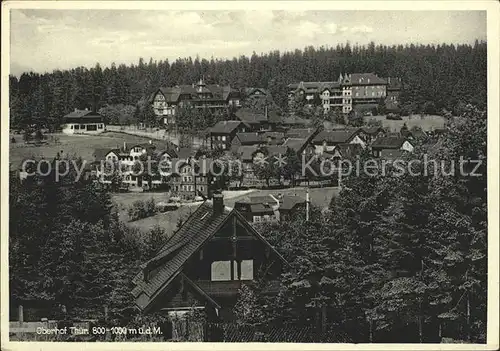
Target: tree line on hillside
435	77
395	258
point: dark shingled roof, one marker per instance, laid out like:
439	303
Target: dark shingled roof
274	150
215	92
392	154
367	79
273	135
296	144
314	87
82	114
249	138
388	142
273	117
340	136
347	150
200	226
226	127
372	130
415	133
246	152
250	116
184	242
100	154
300	132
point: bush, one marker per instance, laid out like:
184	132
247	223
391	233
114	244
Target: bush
150	207
141	209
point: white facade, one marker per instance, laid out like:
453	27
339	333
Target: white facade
83	128
358	140
407	146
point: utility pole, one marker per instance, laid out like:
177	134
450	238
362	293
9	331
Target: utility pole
307	204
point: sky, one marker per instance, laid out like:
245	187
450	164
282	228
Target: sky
44	40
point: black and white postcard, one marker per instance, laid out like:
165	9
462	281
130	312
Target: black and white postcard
295	175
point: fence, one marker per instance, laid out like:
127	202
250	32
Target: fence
155	133
232	332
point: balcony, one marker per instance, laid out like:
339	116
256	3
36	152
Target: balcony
220	288
230	287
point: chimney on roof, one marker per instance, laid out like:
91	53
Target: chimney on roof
218	207
124	145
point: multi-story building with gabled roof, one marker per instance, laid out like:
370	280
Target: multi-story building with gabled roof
363	90
166	101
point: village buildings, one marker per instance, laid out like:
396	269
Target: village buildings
326	141
270	208
221	134
391	145
360	91
167	101
83	122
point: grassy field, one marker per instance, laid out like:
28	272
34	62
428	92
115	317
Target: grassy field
427	123
79	145
319	197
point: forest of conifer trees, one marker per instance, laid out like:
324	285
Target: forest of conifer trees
435	77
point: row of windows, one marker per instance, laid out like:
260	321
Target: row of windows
128	158
371	87
344	101
220	138
86	126
264	218
242	270
380	93
188	187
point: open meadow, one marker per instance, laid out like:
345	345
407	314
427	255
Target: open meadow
426	122
319	197
79	145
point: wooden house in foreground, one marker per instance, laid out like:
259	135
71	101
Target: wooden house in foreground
205	263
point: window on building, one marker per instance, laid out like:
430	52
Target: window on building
223	138
256	219
221	271
77	126
246	270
